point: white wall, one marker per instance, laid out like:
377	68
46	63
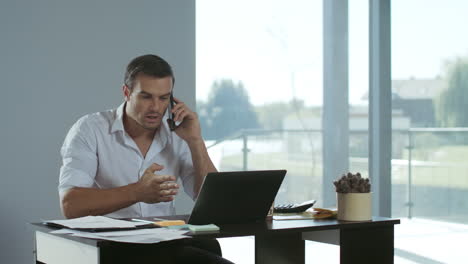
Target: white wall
60	60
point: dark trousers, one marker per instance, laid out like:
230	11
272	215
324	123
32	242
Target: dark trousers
199	250
182	251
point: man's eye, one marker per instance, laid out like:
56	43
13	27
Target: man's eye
146	96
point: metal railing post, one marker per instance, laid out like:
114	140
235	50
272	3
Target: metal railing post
410	176
245	152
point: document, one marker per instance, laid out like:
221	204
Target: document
115	230
293	216
95	222
140	236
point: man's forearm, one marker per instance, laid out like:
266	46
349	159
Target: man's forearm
201	162
78	202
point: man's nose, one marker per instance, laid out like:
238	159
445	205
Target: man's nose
155	105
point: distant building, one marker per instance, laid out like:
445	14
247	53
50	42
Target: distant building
358	131
415	97
412	106
358	120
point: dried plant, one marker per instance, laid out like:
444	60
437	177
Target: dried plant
352	183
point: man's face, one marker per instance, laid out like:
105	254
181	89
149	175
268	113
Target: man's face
148	100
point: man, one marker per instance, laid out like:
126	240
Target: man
125	162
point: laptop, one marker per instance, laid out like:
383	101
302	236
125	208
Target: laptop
236	197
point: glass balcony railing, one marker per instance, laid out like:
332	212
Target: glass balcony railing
429	171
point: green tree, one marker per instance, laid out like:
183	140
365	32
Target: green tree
227	110
451	105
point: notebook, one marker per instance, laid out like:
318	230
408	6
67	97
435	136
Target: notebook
236	197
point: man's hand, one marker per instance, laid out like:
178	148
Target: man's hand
189	128
152	188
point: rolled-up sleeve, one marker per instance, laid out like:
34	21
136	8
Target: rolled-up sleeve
79	158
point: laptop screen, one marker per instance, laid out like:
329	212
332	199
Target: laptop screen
236	197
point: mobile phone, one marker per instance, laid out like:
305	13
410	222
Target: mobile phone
172	125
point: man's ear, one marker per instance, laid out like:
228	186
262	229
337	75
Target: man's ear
126	92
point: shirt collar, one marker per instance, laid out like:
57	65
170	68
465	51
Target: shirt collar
163	133
117	125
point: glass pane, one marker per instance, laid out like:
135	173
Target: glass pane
430	91
259	88
359	86
430	135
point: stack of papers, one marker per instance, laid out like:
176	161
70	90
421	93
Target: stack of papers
118	230
293	216
197	228
94	223
140	236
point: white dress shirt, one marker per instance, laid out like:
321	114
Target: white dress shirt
98	153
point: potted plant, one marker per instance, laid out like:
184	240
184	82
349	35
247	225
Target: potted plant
353	197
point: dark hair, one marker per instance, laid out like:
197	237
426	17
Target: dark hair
151	65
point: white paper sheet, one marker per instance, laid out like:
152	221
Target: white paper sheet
293	216
63	231
95	222
142	236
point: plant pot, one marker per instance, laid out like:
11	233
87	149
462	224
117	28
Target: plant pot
354	206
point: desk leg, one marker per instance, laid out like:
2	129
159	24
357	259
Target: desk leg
366	245
280	248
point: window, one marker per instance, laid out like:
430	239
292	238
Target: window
430	135
259	88
429	86
358	12
267	59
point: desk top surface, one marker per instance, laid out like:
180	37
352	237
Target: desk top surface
294	226
253	229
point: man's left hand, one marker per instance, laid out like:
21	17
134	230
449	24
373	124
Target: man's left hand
189	128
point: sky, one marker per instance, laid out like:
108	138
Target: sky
275	48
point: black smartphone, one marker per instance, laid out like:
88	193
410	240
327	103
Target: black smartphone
172	125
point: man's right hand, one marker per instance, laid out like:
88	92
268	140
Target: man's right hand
152	188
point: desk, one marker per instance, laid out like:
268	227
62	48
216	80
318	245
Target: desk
275	242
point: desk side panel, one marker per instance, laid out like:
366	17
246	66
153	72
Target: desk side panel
279	248
367	245
52	249
324	236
